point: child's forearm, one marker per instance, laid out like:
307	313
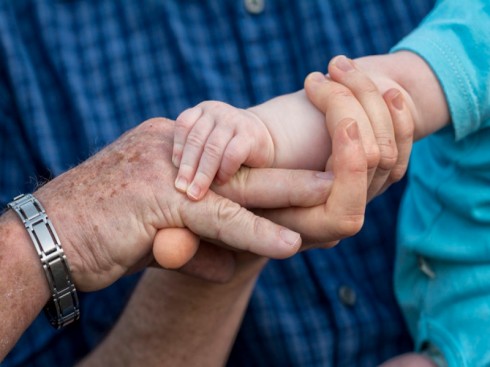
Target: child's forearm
298	130
410	74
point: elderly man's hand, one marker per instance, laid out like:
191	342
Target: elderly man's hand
372	135
339	213
108	209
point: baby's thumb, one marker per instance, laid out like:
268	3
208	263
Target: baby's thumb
317	90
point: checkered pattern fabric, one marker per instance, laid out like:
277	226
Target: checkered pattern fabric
76	74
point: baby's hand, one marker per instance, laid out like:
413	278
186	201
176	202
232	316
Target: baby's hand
212	140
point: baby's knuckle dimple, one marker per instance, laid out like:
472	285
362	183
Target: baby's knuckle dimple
233	116
188	117
209	104
215	107
233	154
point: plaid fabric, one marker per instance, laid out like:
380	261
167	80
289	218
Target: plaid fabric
75	74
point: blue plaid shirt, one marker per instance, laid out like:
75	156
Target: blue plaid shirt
76	74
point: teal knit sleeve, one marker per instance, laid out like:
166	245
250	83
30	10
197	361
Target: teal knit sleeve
454	39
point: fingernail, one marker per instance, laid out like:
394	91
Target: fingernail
194	191
353	131
290	237
181	184
176	160
343	63
397	101
328	175
317	77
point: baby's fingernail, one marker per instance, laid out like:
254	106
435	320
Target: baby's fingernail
194	192
181	184
397	101
290	237
353	131
176	160
343	63
317	77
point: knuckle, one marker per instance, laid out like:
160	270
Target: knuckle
388	153
397	172
229	214
368	88
237	117
228	211
156	120
212	104
292	178
405	131
241	181
225	173
188	117
149	126
216	108
339	92
195	140
234	154
212	150
181	129
373	155
350	224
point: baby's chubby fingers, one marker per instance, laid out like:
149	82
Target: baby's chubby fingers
193	149
183	125
210	160
219	142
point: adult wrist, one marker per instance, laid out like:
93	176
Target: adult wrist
63	307
70	222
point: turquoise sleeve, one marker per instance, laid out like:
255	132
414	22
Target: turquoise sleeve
454	39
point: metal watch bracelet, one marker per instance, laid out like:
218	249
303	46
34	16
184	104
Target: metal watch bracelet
63	308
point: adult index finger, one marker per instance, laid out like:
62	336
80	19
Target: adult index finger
222	220
276	188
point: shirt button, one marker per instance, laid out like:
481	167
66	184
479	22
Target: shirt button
425	268
255	6
347	295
